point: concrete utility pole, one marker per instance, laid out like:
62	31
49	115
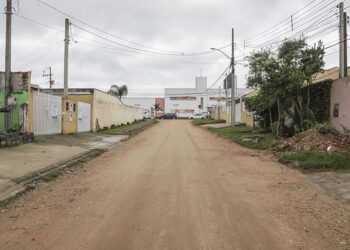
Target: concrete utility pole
50	77
226	88
219	102
233	110
66	47
8	61
345	30
342	69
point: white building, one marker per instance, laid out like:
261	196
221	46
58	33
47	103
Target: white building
146	103
186	101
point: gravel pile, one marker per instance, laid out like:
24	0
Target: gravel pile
319	140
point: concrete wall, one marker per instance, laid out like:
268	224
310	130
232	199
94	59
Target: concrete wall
109	110
69	126
246	117
340	94
86	98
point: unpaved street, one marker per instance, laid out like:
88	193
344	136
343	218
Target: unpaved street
177	186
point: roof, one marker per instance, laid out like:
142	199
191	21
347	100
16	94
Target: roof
328	74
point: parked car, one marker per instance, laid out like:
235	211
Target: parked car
197	116
146	115
168	116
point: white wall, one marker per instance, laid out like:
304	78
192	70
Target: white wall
140	102
109	110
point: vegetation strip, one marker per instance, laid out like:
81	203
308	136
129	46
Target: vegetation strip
130	129
309	162
207	121
246	136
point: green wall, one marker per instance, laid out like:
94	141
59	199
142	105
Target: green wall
15	112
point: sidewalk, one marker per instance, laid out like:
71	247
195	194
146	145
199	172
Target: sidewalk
24	162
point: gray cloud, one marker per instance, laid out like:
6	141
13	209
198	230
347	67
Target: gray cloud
180	26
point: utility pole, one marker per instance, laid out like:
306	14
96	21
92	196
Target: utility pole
219	102
226	88
342	68
233	110
345	30
8	61
66	47
50	75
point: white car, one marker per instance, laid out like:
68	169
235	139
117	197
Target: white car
197	116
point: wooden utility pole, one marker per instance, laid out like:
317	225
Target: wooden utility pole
233	110
66	50
8	61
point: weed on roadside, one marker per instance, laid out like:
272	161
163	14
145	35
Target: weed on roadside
308	161
51	175
237	133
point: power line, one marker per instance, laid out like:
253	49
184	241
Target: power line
152	49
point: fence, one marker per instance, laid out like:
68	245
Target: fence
47	114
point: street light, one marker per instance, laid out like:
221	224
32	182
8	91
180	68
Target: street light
233	111
222	53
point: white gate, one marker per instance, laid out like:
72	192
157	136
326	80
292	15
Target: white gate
47	114
84	117
238	113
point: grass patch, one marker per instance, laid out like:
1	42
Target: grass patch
308	161
51	175
114	130
236	133
207	121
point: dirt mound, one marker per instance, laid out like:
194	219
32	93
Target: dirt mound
318	139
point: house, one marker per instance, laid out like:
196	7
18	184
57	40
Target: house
340	105
102	109
242	116
19	110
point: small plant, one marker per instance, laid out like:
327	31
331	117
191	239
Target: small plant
51	176
317	161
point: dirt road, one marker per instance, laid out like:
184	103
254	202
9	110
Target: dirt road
176	186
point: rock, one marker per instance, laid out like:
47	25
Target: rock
18	205
13	216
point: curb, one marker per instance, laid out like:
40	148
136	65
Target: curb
21	182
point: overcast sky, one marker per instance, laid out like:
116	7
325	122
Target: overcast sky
170	26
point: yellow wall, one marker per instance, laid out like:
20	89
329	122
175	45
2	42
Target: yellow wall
246	118
224	113
69	127
30	105
89	99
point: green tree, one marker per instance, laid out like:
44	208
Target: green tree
298	63
281	78
118	91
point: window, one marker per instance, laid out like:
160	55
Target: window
67	106
336	110
173	98
202	102
74	106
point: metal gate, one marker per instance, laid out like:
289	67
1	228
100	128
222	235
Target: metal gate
47	114
84	117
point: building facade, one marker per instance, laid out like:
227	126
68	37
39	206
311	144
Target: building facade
187	101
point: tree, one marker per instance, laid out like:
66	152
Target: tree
118	91
281	78
298	63
263	75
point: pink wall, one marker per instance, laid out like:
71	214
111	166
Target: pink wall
340	94
161	102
